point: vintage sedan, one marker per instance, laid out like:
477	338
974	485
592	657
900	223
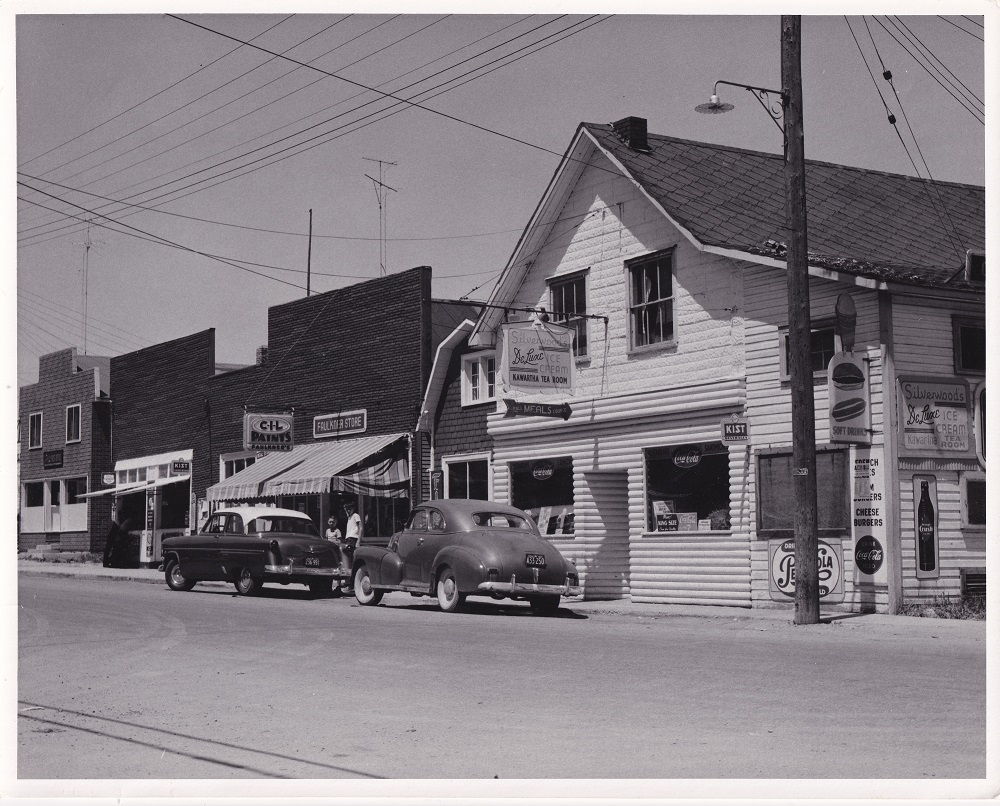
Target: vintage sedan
249	546
454	548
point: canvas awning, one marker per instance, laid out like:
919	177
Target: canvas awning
371	465
247	483
138	486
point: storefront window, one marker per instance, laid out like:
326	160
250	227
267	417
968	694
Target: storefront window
175	506
34	494
383	517
469	479
687	487
544	489
74	489
775	507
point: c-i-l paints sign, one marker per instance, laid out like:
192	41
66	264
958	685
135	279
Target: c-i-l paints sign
268	432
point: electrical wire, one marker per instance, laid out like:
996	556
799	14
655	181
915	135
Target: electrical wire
287	125
960	28
249	167
151	97
965	105
242	156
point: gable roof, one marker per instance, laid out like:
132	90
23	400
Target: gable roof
872	224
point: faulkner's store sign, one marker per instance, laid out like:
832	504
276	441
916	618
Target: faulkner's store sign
935	416
268	432
335	425
536	358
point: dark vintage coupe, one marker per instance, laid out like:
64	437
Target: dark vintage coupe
249	546
454	548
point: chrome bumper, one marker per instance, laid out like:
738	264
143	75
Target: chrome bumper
301	570
527	588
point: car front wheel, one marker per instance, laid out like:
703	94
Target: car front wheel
449	599
246	583
175	579
363	590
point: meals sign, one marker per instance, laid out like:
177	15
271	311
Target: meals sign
536	358
935	416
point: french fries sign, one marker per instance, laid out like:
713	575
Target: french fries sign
850	418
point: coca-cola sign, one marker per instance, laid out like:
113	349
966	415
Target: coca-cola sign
543	470
687	457
868	555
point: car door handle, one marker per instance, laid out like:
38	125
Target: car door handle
420	541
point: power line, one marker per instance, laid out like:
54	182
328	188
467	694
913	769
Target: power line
302	146
960	28
426	64
151	97
930	55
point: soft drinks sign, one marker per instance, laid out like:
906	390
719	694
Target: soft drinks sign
536	358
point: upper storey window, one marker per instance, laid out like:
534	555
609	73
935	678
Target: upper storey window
651	300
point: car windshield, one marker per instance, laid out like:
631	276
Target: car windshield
296	526
501	520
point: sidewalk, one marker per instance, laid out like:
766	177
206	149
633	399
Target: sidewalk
776	616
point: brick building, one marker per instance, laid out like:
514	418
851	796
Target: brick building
346	369
64	421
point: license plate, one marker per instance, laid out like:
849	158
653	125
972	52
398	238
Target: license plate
534	560
312	561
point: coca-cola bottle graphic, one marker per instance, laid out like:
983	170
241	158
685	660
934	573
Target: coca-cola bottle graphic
925	530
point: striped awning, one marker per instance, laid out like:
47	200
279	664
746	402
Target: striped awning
377	465
247	483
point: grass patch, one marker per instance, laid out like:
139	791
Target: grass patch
958	607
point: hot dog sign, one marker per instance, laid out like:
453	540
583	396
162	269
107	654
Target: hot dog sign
850	419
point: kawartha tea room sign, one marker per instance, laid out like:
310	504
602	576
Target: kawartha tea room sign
536	358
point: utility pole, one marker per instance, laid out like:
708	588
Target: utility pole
799	331
309	254
380	188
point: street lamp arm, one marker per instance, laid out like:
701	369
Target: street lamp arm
774	106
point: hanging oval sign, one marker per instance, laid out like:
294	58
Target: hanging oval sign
542	470
688	458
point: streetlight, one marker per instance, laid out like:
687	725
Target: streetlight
787	105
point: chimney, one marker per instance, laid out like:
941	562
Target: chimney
632	132
261	355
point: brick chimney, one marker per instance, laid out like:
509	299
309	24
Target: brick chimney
632	132
261	355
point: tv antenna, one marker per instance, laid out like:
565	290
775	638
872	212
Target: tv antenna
87	244
380	195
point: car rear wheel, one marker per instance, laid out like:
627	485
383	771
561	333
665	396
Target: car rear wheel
544	605
321	587
449	599
363	590
175	579
246	583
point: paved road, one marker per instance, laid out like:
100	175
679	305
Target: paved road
131	680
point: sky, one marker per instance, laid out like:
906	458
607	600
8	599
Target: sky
176	114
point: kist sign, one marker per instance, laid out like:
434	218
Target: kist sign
268	432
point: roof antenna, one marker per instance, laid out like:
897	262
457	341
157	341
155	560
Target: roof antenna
86	268
380	188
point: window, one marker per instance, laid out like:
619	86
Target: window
73	423
468	479
544	489
651	300
34	494
775	512
974	499
975	267
970	345
822	346
35	430
478	379
568	299
74	489
233	463
687	487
